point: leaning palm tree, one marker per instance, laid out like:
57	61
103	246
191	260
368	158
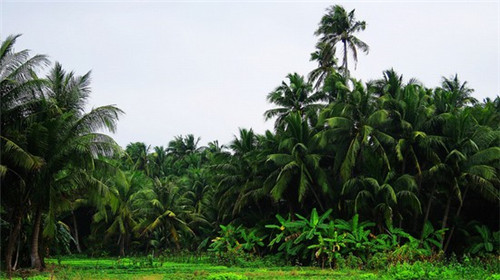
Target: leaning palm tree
338	26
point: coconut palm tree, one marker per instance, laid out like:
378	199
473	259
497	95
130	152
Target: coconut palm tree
453	95
298	165
325	56
338	26
293	97
19	89
123	206
68	141
354	125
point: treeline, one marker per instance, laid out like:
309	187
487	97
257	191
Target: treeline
414	165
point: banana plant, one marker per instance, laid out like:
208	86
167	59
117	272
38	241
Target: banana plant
485	241
432	239
356	233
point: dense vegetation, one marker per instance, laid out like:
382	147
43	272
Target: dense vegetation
354	174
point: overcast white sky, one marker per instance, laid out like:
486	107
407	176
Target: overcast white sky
206	67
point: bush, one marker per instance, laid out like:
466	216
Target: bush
379	261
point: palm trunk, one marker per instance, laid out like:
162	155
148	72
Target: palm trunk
75	229
427	211
35	239
445	217
122	245
13	236
456	215
346	75
317	199
17	252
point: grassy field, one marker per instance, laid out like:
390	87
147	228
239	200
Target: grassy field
144	269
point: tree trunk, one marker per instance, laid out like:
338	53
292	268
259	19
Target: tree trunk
36	263
445	217
345	61
17	252
122	245
427	211
14	233
317	199
75	229
456	215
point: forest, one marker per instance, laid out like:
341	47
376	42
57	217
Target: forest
366	175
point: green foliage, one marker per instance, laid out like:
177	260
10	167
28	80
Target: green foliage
383	153
226	276
484	241
236	244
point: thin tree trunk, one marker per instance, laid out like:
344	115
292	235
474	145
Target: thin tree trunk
75	229
445	217
346	75
35	239
427	211
317	199
456	215
13	235
17	252
122	245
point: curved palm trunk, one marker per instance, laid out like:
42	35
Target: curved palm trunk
13	236
36	262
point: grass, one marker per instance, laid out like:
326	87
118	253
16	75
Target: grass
149	269
141	269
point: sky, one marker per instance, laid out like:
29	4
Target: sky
206	67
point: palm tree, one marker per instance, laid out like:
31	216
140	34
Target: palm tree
19	89
453	95
469	161
67	140
338	26
325	56
354	125
294	97
123	206
168	209
381	201
298	161
138	154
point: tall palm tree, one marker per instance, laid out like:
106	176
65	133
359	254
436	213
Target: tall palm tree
67	139
338	26
19	89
